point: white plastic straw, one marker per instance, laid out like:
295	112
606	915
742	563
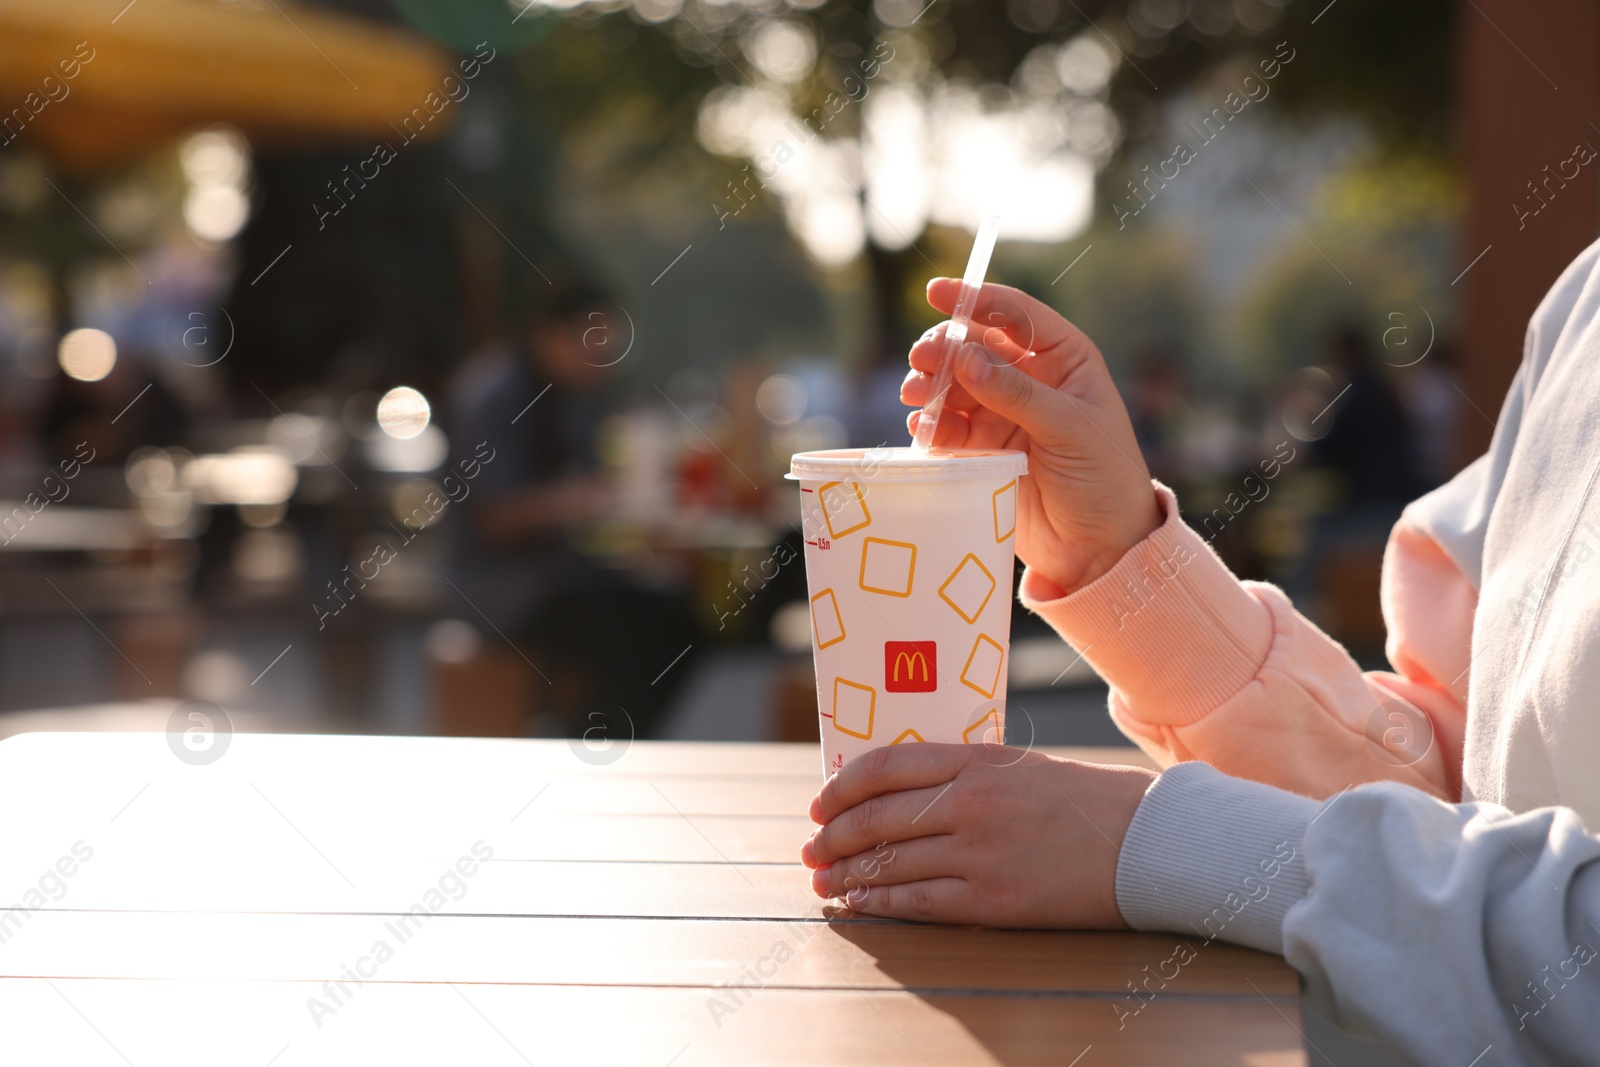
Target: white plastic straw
956	333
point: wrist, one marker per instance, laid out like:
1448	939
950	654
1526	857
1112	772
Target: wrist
1106	798
1057	578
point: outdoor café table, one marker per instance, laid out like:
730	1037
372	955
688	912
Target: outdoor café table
385	900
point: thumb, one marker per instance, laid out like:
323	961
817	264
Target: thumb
1009	392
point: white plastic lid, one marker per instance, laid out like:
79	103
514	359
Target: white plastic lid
906	464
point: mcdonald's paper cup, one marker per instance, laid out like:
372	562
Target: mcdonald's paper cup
909	561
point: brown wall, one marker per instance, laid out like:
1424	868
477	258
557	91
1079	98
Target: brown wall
1529	81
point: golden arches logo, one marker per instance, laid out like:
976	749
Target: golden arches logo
912	661
910	666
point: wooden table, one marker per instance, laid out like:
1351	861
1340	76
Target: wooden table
650	910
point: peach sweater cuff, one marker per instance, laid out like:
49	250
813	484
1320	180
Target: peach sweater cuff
1169	628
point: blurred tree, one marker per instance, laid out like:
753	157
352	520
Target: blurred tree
1386	66
625	86
616	92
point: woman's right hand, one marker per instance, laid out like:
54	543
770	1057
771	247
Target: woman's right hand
1028	379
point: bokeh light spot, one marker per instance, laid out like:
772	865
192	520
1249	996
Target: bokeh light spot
87	355
781	399
403	412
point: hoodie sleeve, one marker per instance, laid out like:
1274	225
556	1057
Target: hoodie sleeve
1205	667
1445	930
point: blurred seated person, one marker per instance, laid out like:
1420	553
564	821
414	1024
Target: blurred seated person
599	637
1369	451
1157	405
1371	445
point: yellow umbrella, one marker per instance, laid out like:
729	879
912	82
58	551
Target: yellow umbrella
96	81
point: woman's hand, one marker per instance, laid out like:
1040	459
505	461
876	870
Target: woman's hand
1028	379
974	834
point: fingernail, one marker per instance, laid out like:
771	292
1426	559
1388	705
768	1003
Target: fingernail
808	854
932	332
857	896
975	365
819	880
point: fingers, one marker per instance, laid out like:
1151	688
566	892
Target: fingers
954	429
1030	323
917	390
888	863
1003	346
932	900
891	769
890	817
928	352
1014	395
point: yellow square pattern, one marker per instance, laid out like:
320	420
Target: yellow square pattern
1005	511
909	735
887	567
985	730
826	622
853	706
844	510
982	672
968	588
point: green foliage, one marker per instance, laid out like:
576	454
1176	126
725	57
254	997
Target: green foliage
1384	64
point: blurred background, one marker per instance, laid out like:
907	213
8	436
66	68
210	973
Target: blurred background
404	366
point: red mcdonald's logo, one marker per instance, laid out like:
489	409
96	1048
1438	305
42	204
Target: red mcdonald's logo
910	666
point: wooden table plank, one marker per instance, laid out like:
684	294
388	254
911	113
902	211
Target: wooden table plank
266	794
90	1024
624	904
655	839
611	951
320	790
675	890
416	758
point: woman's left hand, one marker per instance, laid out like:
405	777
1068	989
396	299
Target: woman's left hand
974	834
